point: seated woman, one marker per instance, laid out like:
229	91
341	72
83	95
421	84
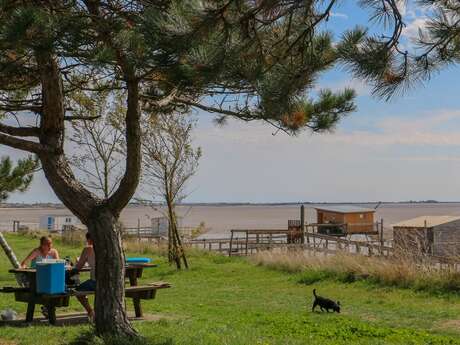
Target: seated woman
44	251
87	256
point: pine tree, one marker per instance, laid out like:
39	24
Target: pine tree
15	178
390	62
251	60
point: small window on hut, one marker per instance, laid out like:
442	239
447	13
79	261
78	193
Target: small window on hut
361	216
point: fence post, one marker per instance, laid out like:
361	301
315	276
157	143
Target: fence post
231	244
139	229
302	224
247	240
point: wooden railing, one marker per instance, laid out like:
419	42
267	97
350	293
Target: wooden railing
140	233
148	233
256	241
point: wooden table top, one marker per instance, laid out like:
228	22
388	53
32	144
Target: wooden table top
34	270
84	269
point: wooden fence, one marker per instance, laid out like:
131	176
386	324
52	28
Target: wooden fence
316	243
256	240
147	233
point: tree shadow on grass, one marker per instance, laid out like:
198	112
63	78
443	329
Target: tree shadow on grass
70	319
89	338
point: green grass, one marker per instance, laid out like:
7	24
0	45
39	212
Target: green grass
229	301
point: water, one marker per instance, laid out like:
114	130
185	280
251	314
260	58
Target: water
221	218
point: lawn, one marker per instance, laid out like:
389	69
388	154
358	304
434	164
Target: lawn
230	301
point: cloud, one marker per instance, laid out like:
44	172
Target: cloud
392	159
433	129
339	15
360	87
432	158
402	7
411	30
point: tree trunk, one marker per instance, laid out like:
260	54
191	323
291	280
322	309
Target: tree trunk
111	316
181	251
100	216
170	246
174	240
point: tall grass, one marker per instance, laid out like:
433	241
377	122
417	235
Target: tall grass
146	247
399	271
159	248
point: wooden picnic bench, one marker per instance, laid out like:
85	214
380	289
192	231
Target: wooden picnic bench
136	293
53	301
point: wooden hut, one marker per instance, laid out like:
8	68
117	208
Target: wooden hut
435	235
355	220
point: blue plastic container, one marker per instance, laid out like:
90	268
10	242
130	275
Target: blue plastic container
51	276
137	260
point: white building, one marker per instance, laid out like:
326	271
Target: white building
56	222
160	225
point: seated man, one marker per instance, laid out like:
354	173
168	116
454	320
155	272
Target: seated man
87	256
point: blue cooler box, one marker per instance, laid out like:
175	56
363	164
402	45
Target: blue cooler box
51	276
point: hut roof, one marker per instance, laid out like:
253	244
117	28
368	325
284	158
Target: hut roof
345	209
431	221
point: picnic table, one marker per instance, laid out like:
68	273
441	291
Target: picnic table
30	296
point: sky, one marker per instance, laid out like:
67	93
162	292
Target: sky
404	149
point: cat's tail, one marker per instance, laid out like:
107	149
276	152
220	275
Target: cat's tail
314	293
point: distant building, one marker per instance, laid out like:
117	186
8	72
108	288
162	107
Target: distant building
435	235
58	222
356	220
160	225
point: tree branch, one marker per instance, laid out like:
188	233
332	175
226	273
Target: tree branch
20	131
163	101
241	115
84	118
22	144
18	107
55	165
130	180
